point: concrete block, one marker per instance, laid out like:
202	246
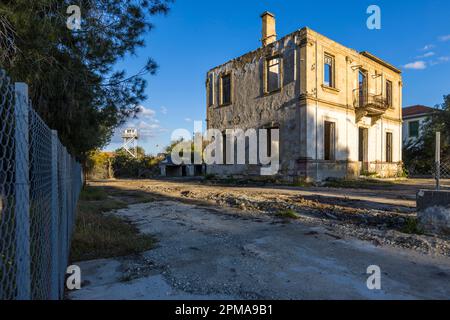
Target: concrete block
433	211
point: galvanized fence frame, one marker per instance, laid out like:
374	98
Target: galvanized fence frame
40	183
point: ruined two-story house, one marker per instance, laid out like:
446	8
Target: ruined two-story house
338	111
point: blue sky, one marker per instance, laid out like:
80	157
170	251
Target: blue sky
199	34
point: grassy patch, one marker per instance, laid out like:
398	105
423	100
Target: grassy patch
129	196
357	184
412	226
93	194
369	174
302	183
288	214
101	235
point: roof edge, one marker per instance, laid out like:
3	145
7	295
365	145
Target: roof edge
380	61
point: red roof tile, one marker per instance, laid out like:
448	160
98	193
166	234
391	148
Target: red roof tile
416	110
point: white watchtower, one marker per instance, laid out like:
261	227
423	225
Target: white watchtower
130	137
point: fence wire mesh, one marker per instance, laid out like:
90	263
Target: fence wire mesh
8	265
39	188
445	170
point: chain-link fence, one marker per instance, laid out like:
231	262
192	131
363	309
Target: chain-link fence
39	188
445	170
441	169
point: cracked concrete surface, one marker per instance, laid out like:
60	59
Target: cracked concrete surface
208	252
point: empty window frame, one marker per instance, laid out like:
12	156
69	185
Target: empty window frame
389	151
224	146
210	87
328	68
413	129
273	74
225	89
329	140
389	93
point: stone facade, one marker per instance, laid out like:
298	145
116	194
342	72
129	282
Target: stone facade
305	101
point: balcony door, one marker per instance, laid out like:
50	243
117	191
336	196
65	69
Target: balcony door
362	87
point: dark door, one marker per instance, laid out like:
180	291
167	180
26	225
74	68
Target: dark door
364	149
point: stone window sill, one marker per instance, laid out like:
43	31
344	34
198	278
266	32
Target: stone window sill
330	89
269	93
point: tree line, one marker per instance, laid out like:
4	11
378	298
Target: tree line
73	82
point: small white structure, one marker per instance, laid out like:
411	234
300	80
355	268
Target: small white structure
130	137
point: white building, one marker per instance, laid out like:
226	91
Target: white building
338	111
413	119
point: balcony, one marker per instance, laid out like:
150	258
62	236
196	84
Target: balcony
369	105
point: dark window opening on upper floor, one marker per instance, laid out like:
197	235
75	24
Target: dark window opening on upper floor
328	77
225	89
210	85
273	74
389	93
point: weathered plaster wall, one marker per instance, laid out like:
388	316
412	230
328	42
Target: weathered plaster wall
303	104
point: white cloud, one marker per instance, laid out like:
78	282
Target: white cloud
163	110
146	123
417	65
440	60
445	38
188	119
146	112
428	47
426	55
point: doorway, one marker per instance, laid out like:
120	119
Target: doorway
362	86
364	149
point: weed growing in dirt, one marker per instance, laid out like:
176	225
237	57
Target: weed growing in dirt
288	214
412	226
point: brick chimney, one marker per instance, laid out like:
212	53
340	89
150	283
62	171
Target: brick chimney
269	34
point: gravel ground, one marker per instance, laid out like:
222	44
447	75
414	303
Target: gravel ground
383	217
219	242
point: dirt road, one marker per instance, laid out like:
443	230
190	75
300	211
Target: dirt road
210	249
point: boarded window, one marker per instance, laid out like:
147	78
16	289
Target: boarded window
225	89
273	73
211	89
328	77
389	152
389	93
330	140
413	129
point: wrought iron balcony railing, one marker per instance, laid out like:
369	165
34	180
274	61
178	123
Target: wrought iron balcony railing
368	104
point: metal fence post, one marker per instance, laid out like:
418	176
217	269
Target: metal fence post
22	193
54	289
438	160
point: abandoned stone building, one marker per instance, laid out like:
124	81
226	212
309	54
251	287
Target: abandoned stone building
338	111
